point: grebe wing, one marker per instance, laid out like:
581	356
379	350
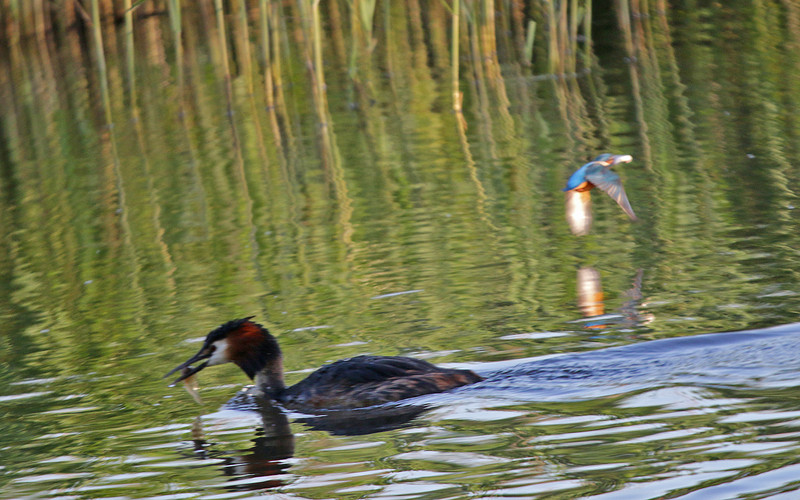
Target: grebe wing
369	380
366	369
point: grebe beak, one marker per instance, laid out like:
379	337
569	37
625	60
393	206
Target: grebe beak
203	354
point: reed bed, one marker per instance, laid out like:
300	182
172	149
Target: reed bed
266	34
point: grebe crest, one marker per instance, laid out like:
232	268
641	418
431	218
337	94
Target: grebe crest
348	383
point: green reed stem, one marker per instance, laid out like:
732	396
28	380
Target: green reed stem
587	33
223	43
175	24
13	23
317	33
573	35
243	37
97	33
455	55
266	56
129	52
267	62
529	37
552	38
274	24
38	18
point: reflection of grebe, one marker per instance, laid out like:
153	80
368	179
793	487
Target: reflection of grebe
348	383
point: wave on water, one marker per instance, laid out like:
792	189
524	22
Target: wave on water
768	357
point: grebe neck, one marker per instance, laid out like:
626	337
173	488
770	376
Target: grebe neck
269	380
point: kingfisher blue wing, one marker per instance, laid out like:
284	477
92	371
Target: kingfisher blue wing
578	177
610	182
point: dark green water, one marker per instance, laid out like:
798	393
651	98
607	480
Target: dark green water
122	247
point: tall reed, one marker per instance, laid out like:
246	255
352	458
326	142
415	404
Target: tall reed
129	51
439	33
455	61
100	60
176	28
222	43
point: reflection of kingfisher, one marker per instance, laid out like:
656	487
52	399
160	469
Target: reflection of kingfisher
598	173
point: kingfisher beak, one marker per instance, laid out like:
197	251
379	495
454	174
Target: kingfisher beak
189	370
616	160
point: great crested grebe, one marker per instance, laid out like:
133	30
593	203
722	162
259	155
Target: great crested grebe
348	383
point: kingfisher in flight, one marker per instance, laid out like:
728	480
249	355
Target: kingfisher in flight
598	173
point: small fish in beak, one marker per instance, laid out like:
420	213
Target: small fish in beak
191	385
186	369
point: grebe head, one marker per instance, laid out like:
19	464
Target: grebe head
240	341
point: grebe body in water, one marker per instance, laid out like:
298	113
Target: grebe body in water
348	383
